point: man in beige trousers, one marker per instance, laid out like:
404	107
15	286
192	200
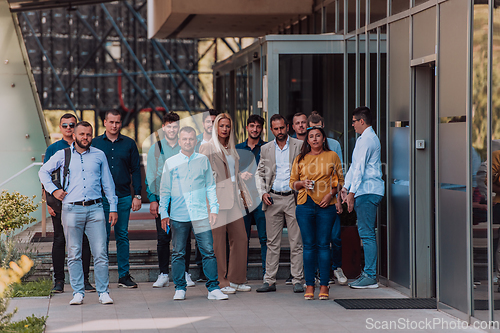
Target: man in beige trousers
278	203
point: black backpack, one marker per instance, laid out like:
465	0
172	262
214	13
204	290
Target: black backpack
54	203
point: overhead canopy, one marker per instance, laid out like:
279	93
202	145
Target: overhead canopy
25	5
221	18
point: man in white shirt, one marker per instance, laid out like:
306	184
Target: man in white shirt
363	190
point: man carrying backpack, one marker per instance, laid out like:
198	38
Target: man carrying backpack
67	127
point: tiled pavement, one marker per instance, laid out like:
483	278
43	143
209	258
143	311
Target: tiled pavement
152	310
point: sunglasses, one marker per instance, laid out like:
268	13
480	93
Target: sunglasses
355	120
71	125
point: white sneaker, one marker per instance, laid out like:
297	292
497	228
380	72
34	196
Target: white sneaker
179	295
217	294
339	275
240	287
105	299
162	281
228	290
189	282
77	299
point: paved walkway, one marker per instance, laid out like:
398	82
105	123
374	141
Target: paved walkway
152	310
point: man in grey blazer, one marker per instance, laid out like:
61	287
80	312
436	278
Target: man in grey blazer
278	203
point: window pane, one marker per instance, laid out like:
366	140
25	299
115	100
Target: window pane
378	10
351	19
341	17
419	2
317	22
362	13
330	17
400	5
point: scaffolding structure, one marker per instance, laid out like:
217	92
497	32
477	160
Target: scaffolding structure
98	57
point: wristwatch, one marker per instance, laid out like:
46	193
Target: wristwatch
137	196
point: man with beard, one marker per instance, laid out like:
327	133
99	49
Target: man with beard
208	122
124	161
157	155
253	144
187	185
272	180
67	127
82	210
299	125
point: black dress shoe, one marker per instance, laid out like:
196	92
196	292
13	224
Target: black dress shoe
88	287
298	288
58	287
266	288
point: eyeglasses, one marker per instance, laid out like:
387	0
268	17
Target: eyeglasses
355	120
71	125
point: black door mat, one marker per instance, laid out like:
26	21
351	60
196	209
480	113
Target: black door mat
482	304
387	303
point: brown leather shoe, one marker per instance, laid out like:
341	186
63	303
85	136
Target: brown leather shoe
324	292
309	295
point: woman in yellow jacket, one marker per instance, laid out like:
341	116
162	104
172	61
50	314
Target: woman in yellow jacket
317	175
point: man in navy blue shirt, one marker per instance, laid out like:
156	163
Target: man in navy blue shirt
255	124
124	161
67	127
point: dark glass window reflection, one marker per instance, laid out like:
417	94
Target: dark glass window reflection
351	17
399	6
313	83
330	17
362	13
419	2
378	10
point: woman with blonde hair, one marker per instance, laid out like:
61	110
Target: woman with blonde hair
231	195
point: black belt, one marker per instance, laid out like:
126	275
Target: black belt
87	203
284	194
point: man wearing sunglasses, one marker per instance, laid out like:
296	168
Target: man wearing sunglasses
67	127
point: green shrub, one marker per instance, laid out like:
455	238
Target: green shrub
37	288
31	324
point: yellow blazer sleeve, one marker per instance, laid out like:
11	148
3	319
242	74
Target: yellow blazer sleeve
294	176
338	170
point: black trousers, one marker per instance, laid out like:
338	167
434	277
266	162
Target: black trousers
163	248
59	251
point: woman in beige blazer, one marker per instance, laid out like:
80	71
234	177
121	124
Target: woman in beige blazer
224	160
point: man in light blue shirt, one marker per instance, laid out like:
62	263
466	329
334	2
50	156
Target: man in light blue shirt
82	210
186	184
363	190
316	120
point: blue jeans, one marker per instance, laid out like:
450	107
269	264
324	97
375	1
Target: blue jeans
315	225
366	211
121	232
336	242
203	235
89	220
260	222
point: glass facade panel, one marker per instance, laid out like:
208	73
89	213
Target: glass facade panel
313	83
479	162
362	13
378	10
495	154
398	6
399	146
341	16
242	106
330	17
351	17
419	2
317	22
351	93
